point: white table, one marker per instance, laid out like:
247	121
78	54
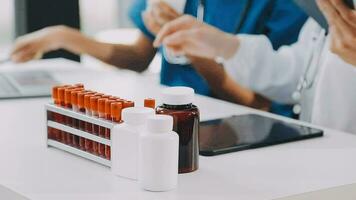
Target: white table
28	167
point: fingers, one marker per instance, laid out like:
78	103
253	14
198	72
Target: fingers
163	13
150	22
26	50
349	15
189	43
26	55
332	15
177	38
182	23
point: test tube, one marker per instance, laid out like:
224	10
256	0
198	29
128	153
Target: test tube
105	96
52	132
102	130
108	104
79	85
74	100
69	120
61	118
116	109
88	145
55	95
128	104
94	109
150	103
114	98
67	97
81	124
98	94
61	96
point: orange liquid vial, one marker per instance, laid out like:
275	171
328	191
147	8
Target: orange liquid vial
149	103
95	128
102	130
88	144
61	118
116	111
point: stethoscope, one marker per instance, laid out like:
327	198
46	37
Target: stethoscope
307	80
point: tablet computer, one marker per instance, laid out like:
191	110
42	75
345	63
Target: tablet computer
311	8
249	131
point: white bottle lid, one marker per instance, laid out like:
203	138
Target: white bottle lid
136	115
160	123
178	96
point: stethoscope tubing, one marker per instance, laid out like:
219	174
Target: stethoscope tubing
313	61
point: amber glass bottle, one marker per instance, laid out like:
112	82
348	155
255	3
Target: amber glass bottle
177	102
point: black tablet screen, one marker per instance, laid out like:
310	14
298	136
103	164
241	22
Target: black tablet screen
249	131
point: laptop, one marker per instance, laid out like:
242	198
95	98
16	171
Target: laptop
26	84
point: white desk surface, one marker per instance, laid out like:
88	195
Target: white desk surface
28	167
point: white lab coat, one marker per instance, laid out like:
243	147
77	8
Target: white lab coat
331	99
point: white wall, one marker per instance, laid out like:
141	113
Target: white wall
6	21
99	15
124	21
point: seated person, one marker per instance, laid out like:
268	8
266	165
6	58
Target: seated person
279	20
327	64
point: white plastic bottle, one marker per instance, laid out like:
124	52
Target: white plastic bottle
125	141
158	155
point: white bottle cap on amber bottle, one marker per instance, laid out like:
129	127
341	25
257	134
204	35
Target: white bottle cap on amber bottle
160	124
178	96
136	115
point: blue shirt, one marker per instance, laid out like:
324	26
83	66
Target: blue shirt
279	20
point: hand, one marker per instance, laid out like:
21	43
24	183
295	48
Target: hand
187	36
34	45
342	28
157	14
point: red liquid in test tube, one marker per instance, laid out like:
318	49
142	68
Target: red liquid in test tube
116	109
95	128
61	118
102	130
88	144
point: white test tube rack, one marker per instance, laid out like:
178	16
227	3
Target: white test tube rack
68	129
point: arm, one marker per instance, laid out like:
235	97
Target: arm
274	74
135	57
252	60
225	87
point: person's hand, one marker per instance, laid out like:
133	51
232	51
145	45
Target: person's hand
157	14
188	36
342	28
34	45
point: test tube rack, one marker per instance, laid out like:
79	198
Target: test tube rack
51	124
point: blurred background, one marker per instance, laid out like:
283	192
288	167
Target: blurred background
110	14
107	21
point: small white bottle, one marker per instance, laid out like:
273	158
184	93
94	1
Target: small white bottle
158	155
125	141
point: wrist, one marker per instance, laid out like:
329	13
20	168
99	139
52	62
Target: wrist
56	37
229	46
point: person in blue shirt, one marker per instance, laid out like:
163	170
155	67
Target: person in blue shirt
279	20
